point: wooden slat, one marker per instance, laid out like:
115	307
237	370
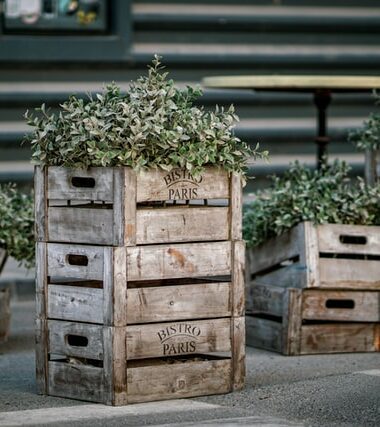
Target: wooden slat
236	207
178	338
329	237
81	225
182	224
275	251
309	255
40	204
178	380
83	382
265	299
349	273
154	185
58	256
164	303
178	260
41	356
289	276
263	333
119	206
59	342
130	189
339	338
292	322
366	306
238	352
60	184
5	314
238	273
41	280
115	286
371	172
75	303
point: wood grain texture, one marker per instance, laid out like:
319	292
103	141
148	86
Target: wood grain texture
115	287
330	239
41	280
236	207
339	338
75	303
178	260
129	201
156	185
238	352
5	314
324	305
61	187
41	349
40	204
349	273
118	208
263	333
372	166
64	335
178	380
83	382
292	275
238	276
81	225
178	302
266	299
309	255
62	266
181	224
178	338
292	322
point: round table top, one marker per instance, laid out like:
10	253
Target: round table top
294	83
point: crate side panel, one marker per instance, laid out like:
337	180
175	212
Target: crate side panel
178	338
265	299
5	314
95	184
80	225
238	352
82	382
338	338
178	380
75	303
163	303
69	339
349	273
181	224
354	306
75	261
263	333
178	184
178	260
338	238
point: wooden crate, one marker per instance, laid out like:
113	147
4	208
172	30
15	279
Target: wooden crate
119	207
323	256
5	313
372	166
151	321
313	321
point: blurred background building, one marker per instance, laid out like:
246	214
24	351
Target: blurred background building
50	49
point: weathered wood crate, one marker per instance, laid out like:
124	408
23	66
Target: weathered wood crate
119	207
140	284
313	321
130	324
372	166
5	312
323	256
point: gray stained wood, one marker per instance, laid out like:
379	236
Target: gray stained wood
5	314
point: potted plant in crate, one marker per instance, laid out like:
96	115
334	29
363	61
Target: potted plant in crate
16	240
314	256
135	192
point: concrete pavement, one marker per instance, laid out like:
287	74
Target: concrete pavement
328	390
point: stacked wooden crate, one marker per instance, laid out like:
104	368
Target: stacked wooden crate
315	289
5	312
140	284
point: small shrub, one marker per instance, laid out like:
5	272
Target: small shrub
16	224
321	196
154	124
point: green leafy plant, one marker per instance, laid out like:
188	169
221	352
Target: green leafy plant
154	124
16	224
322	196
368	136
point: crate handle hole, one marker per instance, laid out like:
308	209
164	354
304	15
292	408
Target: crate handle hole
81	260
77	340
353	240
340	303
83	182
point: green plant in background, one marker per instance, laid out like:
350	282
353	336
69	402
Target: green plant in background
17	224
321	196
154	124
368	136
